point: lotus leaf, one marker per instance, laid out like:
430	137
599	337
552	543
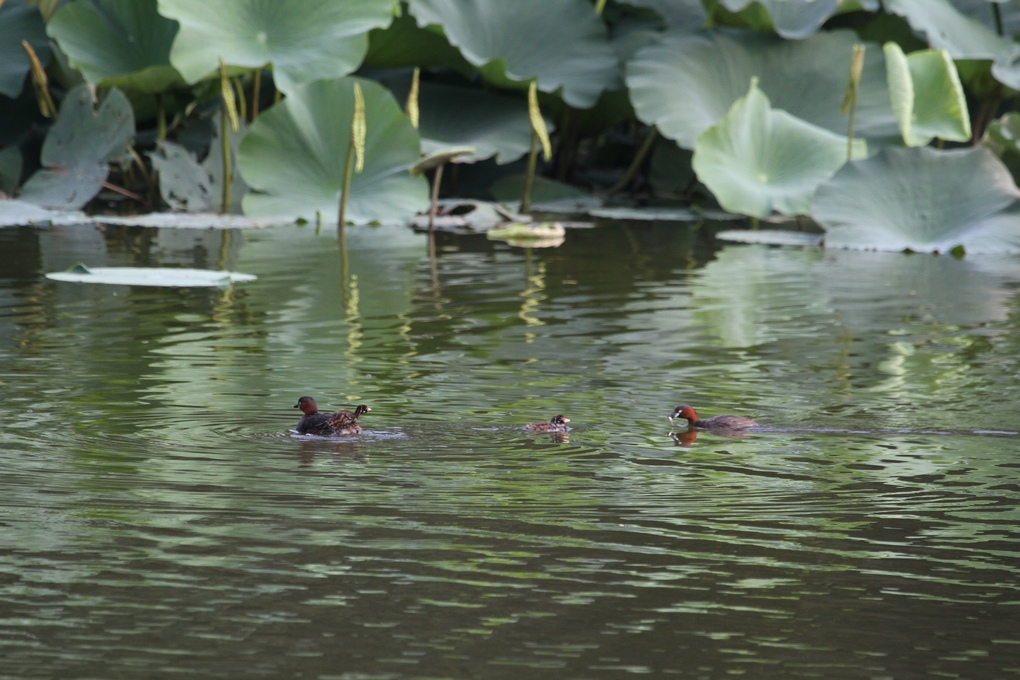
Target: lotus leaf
19	21
675	13
561	43
923	200
946	27
124	43
771	237
496	126
927	96
758	159
304	40
792	19
293	156
78	148
685	83
151	276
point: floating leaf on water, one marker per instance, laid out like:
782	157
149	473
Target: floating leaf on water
533	235
192	221
465	216
664	214
150	276
15	213
772	237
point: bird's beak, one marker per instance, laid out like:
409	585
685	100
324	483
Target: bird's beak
297	405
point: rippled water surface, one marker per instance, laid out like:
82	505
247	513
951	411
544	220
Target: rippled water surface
159	519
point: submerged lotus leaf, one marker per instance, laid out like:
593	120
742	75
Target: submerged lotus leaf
293	157
561	43
758	160
923	200
685	83
78	148
19	21
123	43
927	96
151	276
304	40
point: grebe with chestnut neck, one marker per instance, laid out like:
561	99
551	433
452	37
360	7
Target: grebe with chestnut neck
688	413
340	422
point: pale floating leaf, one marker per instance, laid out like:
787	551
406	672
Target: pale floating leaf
151	276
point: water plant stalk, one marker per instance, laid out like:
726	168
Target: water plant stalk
228	115
355	160
850	98
539	134
635	165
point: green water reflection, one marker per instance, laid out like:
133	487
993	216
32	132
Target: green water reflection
159	518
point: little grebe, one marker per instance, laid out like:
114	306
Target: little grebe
341	422
715	422
557	424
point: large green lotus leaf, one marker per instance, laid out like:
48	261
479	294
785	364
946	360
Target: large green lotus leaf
758	160
685	83
124	43
19	21
404	44
945	27
921	199
304	40
293	157
927	96
792	19
451	116
561	43
78	148
675	13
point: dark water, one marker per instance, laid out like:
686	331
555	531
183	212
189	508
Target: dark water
159	520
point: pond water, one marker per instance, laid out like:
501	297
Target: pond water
160	520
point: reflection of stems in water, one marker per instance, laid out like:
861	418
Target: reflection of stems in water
532	294
221	262
349	296
344	265
433	265
436	180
